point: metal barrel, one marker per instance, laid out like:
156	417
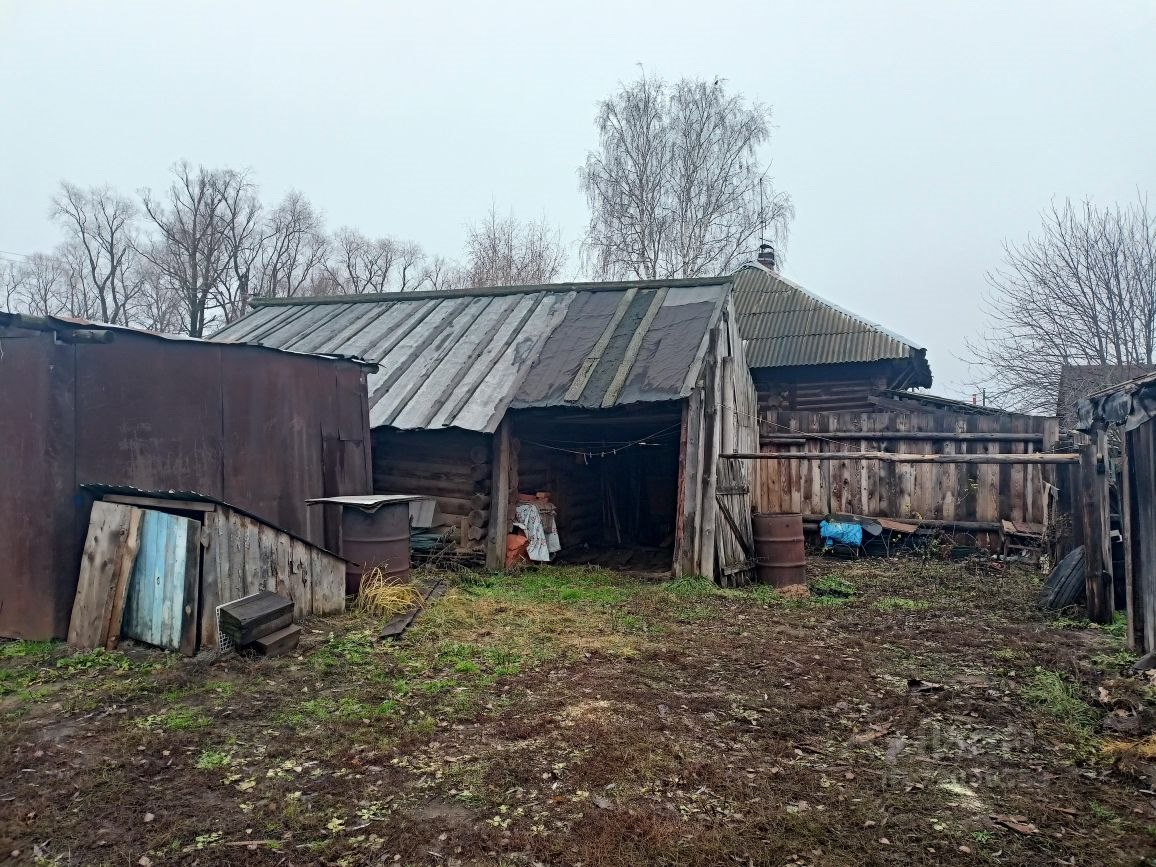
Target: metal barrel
377	538
780	558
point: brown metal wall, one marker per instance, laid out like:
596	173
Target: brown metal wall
37	484
261	430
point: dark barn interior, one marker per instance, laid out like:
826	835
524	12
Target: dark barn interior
613	477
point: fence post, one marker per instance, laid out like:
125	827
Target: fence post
1097	542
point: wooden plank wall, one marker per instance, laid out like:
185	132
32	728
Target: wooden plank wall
243	556
950	492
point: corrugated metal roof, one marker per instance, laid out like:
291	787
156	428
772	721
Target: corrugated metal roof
73	323
461	359
787	326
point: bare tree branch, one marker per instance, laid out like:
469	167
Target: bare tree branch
1082	292
102	227
676	187
504	252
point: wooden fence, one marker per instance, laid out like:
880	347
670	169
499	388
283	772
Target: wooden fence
969	493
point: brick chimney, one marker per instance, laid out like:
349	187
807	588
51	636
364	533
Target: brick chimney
766	256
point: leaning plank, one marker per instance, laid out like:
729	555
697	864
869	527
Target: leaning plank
110	551
162	597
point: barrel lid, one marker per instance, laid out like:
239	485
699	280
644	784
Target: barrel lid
369	502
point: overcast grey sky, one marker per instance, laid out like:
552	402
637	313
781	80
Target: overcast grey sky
914	137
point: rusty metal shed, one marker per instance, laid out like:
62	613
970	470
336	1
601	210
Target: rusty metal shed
85	403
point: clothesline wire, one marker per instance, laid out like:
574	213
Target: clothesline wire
601	453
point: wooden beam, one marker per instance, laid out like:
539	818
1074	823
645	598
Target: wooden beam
890	457
500	504
907	435
1097	550
161	503
633	348
587	369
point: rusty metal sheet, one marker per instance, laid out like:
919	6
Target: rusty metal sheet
272	416
40	537
263	430
148	414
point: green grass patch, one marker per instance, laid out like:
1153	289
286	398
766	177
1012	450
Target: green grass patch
177	719
210	760
27	649
832	587
898	603
1062	707
99	660
574	585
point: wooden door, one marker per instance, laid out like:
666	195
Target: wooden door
733	532
161	608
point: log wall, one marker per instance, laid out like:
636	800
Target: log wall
452	466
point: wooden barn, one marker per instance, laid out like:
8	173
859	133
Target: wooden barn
613	400
810	355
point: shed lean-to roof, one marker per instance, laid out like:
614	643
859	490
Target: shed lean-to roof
787	326
461	359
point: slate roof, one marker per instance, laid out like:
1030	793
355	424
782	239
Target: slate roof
461	359
785	325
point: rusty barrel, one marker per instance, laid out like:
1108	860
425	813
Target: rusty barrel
377	538
780	558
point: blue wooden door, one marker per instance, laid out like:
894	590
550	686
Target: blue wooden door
161	608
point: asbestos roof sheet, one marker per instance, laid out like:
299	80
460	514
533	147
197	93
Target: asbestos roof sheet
787	326
461	359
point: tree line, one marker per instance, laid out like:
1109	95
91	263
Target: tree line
191	256
677	185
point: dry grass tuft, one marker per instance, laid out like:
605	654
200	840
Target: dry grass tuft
1145	749
381	596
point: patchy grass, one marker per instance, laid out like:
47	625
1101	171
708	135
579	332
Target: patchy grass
179	719
1062	706
834	587
898	603
576	715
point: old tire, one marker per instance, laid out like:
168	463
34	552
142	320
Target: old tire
1065	585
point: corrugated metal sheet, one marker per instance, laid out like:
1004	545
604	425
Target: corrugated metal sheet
461	359
786	326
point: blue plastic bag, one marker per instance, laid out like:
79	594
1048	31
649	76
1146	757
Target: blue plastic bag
844	534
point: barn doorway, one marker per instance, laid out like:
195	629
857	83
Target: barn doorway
612	477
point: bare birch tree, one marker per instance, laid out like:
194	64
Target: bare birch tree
1082	292
191	250
359	264
295	250
677	186
103	229
505	252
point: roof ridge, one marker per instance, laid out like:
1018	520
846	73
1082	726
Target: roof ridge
484	291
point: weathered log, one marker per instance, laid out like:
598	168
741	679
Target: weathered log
890	457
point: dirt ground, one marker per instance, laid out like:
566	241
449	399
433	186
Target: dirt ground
911	712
